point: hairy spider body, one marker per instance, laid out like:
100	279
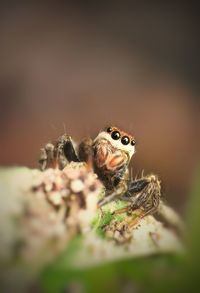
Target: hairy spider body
109	164
109	154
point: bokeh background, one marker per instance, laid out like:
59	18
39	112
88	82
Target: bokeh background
87	65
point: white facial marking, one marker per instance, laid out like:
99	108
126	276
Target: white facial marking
130	149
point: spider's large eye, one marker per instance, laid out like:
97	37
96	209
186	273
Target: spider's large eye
125	140
132	142
109	129
115	135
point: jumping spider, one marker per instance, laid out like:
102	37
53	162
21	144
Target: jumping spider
109	154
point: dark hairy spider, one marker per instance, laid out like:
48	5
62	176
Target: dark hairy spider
109	154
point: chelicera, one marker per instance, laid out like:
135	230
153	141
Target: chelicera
109	154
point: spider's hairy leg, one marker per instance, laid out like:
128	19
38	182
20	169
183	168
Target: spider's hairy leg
137	185
46	158
145	199
58	154
118	191
141	214
135	221
67	147
86	151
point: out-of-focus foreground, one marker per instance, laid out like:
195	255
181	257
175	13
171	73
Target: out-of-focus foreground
46	215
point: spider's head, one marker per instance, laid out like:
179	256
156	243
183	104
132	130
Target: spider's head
118	139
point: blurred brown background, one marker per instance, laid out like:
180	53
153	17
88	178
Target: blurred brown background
95	64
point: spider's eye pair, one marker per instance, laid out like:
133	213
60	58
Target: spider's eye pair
125	140
115	135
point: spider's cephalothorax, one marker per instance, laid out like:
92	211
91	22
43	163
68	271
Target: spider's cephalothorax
112	150
109	154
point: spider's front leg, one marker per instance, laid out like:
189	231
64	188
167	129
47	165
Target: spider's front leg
144	195
58	154
116	186
118	191
124	190
85	151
